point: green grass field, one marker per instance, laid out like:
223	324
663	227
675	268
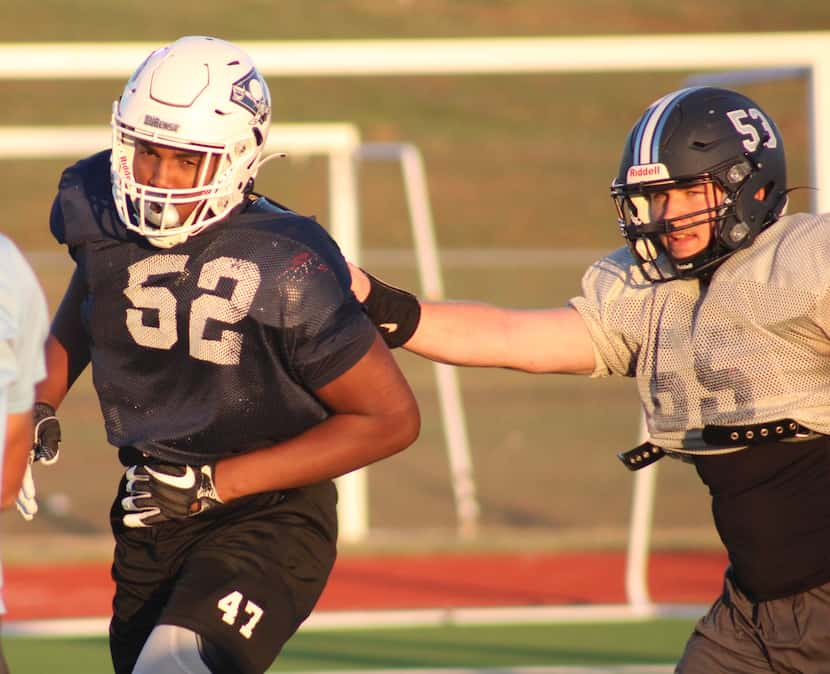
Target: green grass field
497	646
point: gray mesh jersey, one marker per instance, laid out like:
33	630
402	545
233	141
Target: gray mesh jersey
217	345
752	347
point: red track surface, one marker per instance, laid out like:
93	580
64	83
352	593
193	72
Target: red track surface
407	582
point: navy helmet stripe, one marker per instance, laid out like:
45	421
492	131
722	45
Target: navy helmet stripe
647	138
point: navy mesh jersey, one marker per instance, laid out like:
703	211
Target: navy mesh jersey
215	346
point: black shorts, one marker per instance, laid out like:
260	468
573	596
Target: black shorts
244	575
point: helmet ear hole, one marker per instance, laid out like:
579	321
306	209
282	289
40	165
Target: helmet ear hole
755	212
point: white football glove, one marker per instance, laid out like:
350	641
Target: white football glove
26	501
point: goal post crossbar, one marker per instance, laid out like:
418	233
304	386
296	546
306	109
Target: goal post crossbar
443	56
806	51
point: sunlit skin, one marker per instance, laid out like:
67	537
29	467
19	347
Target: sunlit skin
170	168
685	243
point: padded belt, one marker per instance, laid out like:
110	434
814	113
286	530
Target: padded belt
736	436
641	456
723	436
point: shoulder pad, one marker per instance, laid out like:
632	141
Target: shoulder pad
272	219
83	209
260	212
256	203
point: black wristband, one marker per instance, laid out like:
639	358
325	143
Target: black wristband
394	312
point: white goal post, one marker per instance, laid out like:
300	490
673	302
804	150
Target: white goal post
807	52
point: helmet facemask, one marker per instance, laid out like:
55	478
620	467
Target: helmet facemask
225	173
646	232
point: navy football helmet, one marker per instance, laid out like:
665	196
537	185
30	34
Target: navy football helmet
698	136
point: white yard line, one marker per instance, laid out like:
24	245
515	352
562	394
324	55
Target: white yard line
332	620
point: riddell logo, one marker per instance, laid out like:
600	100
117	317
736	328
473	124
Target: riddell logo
643	172
125	167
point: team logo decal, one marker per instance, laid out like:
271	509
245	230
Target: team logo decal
250	92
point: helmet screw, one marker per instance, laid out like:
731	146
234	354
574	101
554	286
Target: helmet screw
738	172
738	232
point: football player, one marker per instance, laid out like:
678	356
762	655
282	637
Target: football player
237	373
719	306
24	322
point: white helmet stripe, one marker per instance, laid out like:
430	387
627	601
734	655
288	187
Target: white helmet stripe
647	140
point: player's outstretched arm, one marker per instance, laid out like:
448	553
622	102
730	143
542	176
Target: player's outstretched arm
475	334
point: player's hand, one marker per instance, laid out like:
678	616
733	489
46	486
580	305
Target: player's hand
46	446
162	492
45	450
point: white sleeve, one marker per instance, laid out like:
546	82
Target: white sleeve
610	307
22	304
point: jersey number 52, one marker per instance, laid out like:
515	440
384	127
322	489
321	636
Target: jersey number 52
223	351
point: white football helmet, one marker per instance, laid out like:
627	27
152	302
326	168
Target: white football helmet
198	94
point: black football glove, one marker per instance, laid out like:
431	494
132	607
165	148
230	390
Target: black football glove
161	492
46	446
45	449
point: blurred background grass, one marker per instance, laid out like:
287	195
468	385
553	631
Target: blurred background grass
507	647
514	162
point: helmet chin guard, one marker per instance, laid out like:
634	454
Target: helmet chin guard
163	227
202	96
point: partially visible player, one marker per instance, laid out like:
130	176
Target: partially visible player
237	373
719	306
24	322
